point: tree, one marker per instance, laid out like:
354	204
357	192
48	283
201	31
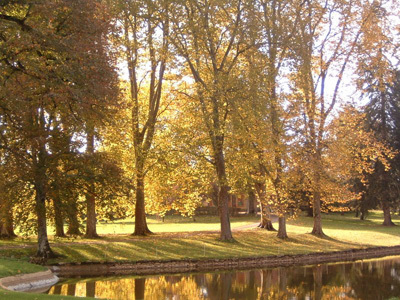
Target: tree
90	189
6	203
211	52
64	184
379	82
146	52
40	89
279	22
327	39
383	112
262	117
249	156
354	151
182	172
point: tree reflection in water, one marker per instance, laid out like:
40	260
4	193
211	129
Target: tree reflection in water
377	279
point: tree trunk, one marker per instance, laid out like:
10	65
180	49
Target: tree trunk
276	140
310	210
223	195
91	230
72	214
3	231
6	220
387	218
362	209
141	227
44	250
9	222
58	218
39	155
6	231
317	228
214	194
265	221
226	233
363	214
71	201
252	199
143	133
282	234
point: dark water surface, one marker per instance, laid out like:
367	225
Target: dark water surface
372	279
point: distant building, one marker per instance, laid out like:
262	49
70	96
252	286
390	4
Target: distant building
238	204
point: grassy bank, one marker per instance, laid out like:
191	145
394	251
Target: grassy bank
185	241
7	295
11	267
180	238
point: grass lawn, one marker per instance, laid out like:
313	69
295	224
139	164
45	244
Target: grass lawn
178	238
10	267
173	224
350	229
126	227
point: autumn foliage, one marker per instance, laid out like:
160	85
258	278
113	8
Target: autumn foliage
116	109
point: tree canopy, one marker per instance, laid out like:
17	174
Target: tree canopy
117	109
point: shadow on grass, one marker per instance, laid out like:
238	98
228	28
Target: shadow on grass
81	253
350	223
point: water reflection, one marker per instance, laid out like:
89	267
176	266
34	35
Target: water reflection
378	279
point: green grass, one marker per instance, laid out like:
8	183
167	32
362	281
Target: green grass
10	267
348	228
7	295
345	232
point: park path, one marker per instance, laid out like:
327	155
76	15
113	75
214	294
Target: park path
245	227
118	239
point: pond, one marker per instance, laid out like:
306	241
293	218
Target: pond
372	279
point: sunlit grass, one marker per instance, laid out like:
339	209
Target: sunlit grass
127	226
172	224
348	228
